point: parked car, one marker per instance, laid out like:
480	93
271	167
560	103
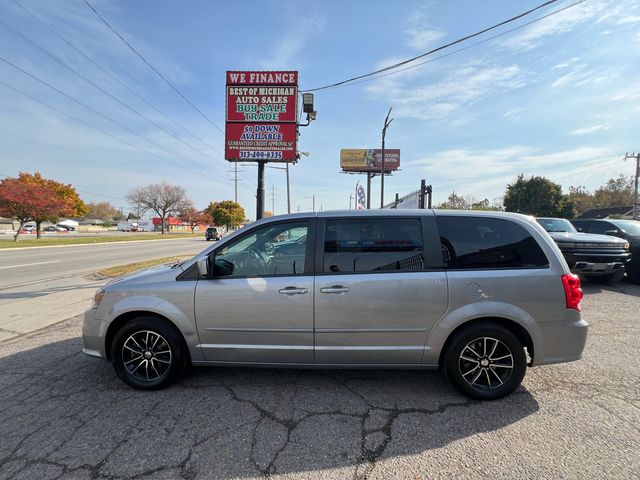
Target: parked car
28	228
68	228
600	258
213	233
54	228
480	295
628	230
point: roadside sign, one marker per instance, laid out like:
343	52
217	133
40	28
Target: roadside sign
261	116
369	160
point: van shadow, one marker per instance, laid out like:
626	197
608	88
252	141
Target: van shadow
625	287
65	409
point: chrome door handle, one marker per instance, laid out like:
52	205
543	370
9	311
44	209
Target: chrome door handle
293	291
335	289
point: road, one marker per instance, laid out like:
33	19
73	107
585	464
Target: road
44	285
66	416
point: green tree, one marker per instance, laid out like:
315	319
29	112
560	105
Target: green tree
538	196
456	202
617	192
226	212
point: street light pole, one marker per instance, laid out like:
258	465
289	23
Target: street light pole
636	157
387	122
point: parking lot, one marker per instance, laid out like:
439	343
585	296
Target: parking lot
64	415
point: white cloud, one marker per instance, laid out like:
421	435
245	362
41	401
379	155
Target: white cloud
588	130
421	36
631	92
513	115
304	25
486	173
455	91
611	11
629	19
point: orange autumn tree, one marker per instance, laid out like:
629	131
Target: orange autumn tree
33	198
69	203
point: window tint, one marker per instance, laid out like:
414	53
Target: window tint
469	242
370	245
601	227
272	250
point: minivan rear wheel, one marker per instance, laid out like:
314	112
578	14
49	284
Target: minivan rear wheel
148	353
485	361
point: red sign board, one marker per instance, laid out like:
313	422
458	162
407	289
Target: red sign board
261	116
261	141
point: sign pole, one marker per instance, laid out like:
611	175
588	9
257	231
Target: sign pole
387	122
260	191
368	190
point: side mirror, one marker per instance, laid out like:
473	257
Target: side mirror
203	266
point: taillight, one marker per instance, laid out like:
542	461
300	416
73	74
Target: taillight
572	291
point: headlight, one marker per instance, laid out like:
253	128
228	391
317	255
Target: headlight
97	298
626	246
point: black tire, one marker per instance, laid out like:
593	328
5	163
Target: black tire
633	271
494	379
608	279
165	369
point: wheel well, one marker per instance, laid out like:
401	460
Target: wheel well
515	328
123	319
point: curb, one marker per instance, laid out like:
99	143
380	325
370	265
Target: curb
13	249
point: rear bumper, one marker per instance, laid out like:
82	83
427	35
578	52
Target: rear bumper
561	341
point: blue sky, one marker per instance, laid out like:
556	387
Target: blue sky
559	98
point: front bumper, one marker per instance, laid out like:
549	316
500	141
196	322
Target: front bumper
93	334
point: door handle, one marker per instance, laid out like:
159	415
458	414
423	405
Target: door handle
293	291
339	289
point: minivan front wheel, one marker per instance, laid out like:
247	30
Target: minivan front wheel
148	353
485	361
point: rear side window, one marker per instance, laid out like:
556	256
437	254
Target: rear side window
601	227
475	243
373	245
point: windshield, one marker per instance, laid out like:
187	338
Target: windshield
556	225
632	227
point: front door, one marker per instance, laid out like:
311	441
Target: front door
376	297
258	304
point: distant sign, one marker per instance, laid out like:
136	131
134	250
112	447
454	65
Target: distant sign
261	116
369	160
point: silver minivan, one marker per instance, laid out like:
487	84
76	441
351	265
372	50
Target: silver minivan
480	295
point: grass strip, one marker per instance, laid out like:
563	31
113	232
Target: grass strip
134	267
47	242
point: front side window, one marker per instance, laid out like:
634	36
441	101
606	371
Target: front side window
476	243
601	227
278	249
373	245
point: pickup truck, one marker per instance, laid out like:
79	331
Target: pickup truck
599	258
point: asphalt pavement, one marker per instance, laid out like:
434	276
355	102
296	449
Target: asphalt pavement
44	285
66	416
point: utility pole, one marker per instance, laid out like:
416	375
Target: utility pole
273	199
369	175
235	164
636	157
350	198
387	122
288	190
260	191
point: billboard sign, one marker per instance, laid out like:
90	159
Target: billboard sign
369	160
261	116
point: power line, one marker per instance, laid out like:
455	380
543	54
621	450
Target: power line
114	77
93	84
493	37
437	49
152	67
98	129
79	102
